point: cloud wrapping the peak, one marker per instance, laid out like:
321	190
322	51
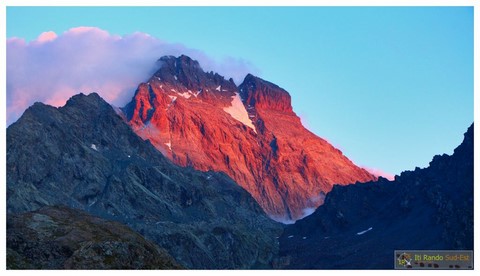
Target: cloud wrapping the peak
378	173
54	67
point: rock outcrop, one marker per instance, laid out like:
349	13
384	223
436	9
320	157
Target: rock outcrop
250	132
63	238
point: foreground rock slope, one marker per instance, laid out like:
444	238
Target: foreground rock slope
64	238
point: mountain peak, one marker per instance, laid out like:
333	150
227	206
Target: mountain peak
254	80
89	104
92	98
182	61
186	71
265	95
201	120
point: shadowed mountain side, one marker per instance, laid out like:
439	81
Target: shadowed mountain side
360	226
84	156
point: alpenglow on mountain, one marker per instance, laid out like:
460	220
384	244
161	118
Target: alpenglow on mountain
84	191
250	132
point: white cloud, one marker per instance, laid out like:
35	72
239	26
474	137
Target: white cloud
307	212
54	67
46	36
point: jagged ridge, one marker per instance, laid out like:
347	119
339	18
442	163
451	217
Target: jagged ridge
360	226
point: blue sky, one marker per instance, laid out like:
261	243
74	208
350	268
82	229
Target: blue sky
391	87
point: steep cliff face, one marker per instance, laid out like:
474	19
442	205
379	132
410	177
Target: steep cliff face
360	226
84	156
250	132
264	95
299	167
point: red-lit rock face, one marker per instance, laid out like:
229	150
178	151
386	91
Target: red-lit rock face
201	120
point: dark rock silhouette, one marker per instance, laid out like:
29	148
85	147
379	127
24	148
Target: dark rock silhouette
360	226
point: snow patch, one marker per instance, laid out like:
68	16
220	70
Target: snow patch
94	147
172	102
364	231
173	90
169	145
218	88
291	236
238	112
304	238
175	77
184	94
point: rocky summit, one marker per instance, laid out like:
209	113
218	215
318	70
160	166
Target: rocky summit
84	156
360	226
201	120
